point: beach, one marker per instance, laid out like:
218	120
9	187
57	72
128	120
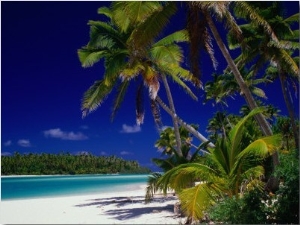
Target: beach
122	207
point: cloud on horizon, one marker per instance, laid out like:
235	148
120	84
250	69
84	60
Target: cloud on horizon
24	143
63	135
130	129
5	154
8	143
125	153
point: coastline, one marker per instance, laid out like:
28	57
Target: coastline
122	207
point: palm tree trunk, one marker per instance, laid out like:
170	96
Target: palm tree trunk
265	127
290	110
172	107
184	124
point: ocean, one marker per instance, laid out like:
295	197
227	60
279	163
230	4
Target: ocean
28	187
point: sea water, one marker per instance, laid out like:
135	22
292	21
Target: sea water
26	187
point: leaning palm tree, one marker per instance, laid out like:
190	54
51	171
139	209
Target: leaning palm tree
123	64
233	167
279	55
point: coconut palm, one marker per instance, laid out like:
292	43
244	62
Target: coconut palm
203	10
232	167
170	158
123	64
224	86
262	49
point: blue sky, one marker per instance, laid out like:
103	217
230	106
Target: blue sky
42	83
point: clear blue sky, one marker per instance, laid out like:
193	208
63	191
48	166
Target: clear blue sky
42	83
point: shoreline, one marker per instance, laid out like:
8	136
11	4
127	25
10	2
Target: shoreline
122	207
58	175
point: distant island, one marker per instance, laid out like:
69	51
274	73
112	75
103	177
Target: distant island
68	164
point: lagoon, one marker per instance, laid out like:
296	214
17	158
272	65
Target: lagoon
28	187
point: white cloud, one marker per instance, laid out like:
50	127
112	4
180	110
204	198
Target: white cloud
5	153
24	143
58	133
8	143
103	153
84	127
130	129
125	153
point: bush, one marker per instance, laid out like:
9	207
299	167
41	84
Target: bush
288	194
250	209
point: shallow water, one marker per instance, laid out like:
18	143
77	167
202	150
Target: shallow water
26	187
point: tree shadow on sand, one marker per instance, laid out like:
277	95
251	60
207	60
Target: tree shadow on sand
122	213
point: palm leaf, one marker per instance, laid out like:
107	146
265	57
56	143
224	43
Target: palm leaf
194	201
235	135
121	91
132	13
95	96
105	11
103	35
176	37
88	57
262	147
145	33
167	54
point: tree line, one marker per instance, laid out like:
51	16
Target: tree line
66	163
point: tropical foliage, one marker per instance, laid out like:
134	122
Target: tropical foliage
65	163
234	176
232	168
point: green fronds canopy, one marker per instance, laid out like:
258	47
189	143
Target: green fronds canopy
230	169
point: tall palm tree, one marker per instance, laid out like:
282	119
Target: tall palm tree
279	55
232	168
123	63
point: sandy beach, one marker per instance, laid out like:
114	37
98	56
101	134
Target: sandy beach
125	207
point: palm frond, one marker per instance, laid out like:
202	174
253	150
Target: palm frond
293	18
88	57
176	37
105	11
103	35
133	12
94	96
145	33
262	147
167	54
245	10
195	200
235	135
121	91
259	92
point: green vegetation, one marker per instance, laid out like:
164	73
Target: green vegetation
248	169
65	163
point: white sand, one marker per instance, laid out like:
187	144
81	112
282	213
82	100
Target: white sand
126	207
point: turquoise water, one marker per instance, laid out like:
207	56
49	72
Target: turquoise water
49	186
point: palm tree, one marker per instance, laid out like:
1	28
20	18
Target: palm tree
160	59
224	86
232	168
170	158
277	54
151	26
